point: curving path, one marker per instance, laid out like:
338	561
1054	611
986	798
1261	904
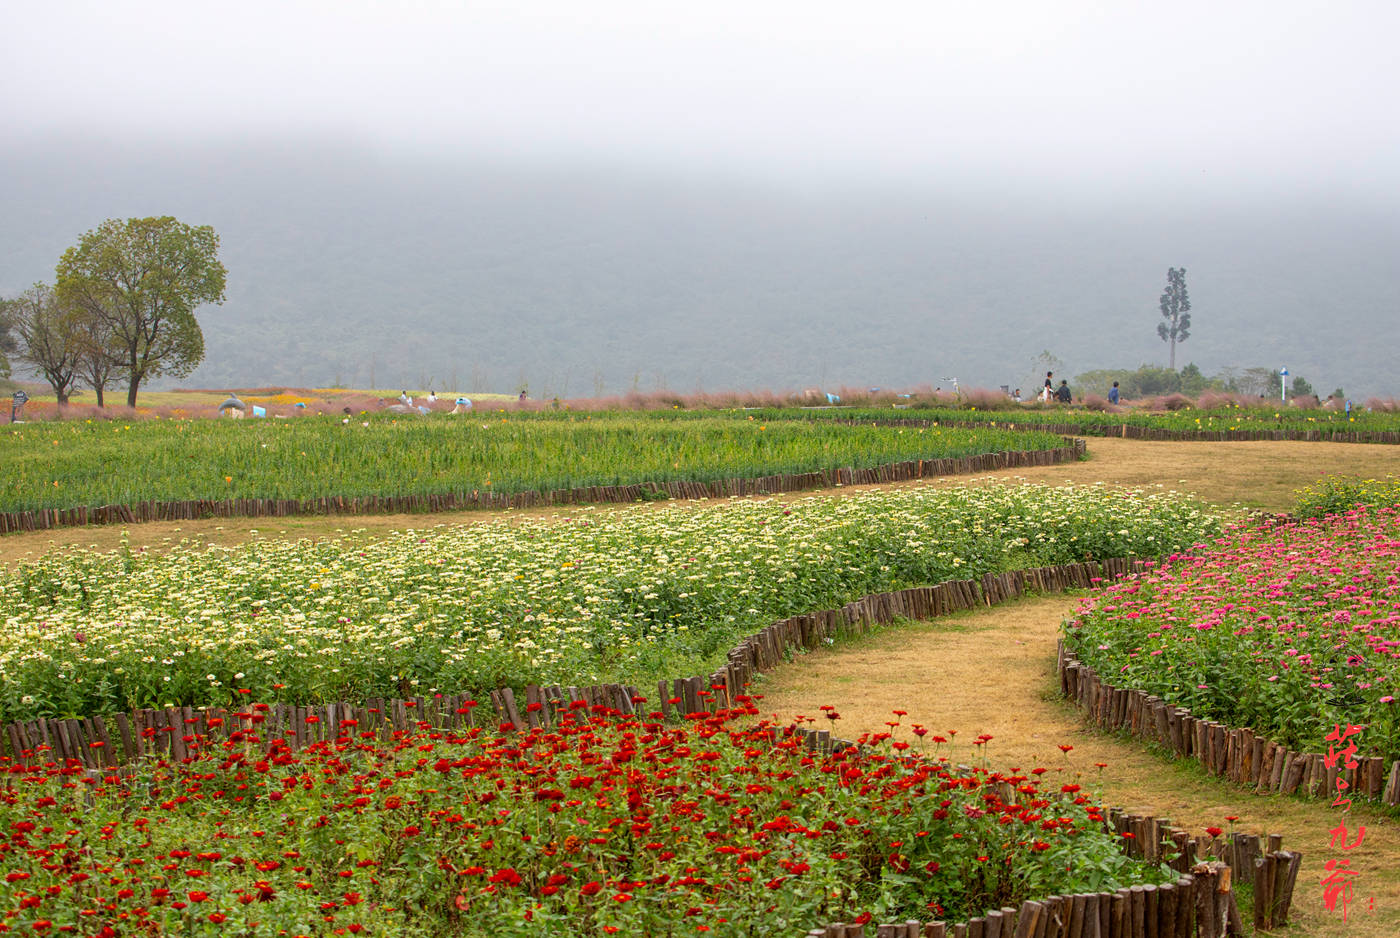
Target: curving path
993	671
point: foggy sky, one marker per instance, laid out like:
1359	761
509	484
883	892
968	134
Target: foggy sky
1120	97
1014	175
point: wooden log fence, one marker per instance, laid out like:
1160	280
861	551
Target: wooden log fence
104	741
100	742
1241	755
42	519
1200	903
1190	907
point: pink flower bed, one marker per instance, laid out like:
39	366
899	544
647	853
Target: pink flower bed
1289	630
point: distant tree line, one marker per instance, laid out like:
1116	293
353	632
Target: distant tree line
120	310
1151	380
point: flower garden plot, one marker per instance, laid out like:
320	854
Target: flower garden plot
624	596
723	825
67	465
1223	420
1337	495
1289	630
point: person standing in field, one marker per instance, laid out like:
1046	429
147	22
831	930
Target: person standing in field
1062	393
1113	394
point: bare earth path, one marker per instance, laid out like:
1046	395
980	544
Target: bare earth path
993	671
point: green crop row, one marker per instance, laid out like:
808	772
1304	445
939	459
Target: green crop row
1031	416
64	465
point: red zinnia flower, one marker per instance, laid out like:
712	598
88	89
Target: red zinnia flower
506	875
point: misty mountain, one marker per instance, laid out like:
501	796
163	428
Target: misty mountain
351	268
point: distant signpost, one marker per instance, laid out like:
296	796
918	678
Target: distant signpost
17	400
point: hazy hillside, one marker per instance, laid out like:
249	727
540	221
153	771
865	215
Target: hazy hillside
346	269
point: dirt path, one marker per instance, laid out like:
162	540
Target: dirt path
993	671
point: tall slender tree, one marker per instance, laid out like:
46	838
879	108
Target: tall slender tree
1176	310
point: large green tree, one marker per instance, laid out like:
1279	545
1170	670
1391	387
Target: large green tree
141	280
1175	305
